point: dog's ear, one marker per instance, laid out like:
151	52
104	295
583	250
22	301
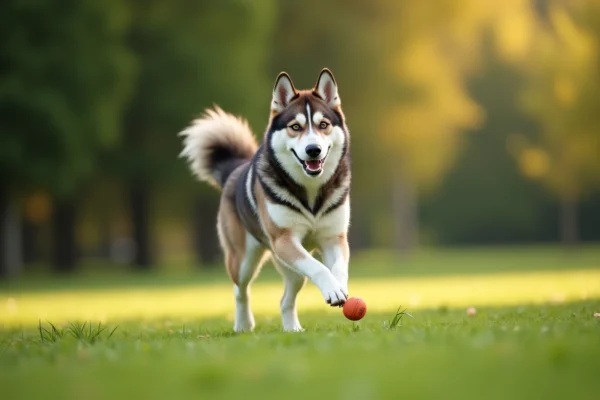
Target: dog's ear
326	88
283	92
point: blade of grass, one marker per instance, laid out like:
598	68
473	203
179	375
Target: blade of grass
397	319
40	329
113	331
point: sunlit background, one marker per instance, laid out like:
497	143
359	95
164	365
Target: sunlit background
475	147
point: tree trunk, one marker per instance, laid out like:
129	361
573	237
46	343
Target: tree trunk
10	237
3	236
206	244
405	215
569	221
104	228
29	235
11	261
63	235
140	221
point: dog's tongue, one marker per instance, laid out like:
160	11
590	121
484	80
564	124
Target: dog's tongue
313	165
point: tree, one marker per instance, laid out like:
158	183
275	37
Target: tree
63	83
402	68
191	55
485	199
562	93
427	105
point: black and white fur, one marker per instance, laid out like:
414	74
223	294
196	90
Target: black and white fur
285	197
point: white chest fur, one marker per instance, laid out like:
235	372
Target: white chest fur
307	226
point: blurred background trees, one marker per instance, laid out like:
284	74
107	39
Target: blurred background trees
66	76
561	93
180	48
471	124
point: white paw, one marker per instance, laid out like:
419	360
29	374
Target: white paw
244	324
336	297
334	293
293	328
243	327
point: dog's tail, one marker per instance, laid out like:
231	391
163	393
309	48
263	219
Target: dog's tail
216	144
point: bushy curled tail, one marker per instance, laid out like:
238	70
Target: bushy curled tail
216	144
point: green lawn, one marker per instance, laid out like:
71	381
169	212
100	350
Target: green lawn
534	335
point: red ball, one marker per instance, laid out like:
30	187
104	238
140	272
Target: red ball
355	308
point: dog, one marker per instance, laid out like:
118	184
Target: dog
284	198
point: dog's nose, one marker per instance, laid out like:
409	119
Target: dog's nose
313	150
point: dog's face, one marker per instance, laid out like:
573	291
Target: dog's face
307	133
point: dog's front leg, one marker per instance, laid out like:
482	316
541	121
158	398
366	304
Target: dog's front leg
336	256
288	250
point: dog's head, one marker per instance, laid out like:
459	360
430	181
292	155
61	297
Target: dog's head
307	134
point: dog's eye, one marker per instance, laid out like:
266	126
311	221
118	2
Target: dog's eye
296	127
323	125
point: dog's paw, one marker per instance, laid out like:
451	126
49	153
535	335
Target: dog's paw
336	298
335	295
244	324
333	292
240	327
293	328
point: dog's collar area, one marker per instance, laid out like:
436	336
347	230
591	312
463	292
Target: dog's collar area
312	167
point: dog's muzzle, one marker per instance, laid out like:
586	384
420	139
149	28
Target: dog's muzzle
312	167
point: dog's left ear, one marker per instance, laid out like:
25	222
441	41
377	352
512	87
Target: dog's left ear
326	88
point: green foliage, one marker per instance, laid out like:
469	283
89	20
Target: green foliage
463	100
66	78
560	92
470	206
190	55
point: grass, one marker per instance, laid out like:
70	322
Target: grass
534	334
397	319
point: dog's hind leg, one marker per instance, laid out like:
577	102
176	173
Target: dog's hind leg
244	256
293	283
248	269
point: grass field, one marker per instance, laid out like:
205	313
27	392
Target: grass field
534	334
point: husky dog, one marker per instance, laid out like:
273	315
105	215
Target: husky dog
284	198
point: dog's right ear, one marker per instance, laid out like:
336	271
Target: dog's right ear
283	92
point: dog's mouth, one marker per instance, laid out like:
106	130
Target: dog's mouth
312	167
